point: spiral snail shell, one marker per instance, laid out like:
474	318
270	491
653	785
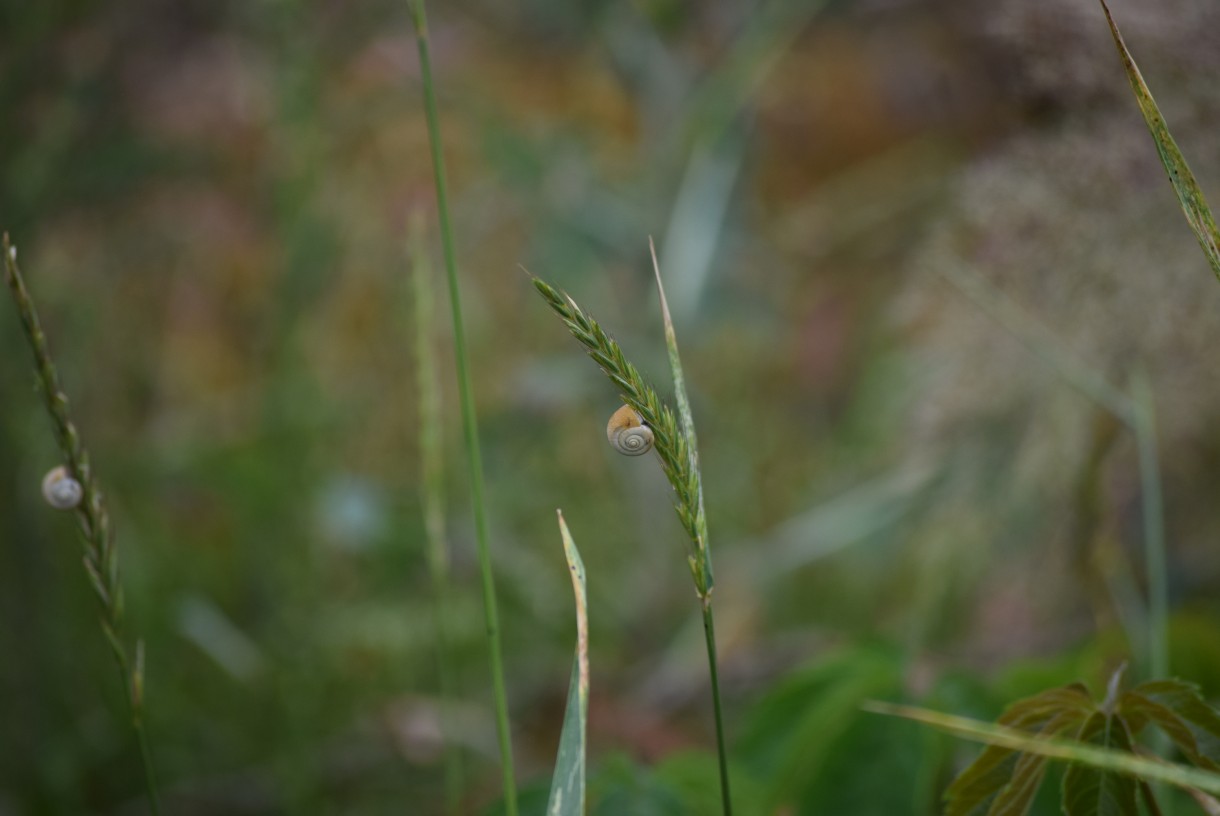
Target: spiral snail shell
627	432
60	490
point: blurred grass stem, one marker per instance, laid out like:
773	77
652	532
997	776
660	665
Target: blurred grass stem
469	420
101	558
1154	524
433	477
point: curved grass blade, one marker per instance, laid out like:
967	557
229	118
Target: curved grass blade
701	563
1198	215
568	783
1106	759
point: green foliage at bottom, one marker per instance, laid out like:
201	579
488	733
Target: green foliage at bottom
1003	781
804	741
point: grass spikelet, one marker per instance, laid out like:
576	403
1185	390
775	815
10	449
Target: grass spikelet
101	557
668	441
674	442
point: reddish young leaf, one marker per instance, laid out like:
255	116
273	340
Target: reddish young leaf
1002	782
1179	710
1088	791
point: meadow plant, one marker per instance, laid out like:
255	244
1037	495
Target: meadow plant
101	557
1106	774
675	444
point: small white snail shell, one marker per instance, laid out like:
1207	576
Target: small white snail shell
60	490
627	432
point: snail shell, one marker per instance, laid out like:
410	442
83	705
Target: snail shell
60	490
627	432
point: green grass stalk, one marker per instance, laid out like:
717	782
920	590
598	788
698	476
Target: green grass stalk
101	557
469	421
433	495
675	444
1154	525
704	579
1061	748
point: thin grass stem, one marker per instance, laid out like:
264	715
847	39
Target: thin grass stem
676	446
101	557
1155	560
704	578
469	420
722	753
433	496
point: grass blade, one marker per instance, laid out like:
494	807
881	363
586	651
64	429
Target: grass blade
702	566
470	427
433	479
675	445
568	783
1198	215
1105	759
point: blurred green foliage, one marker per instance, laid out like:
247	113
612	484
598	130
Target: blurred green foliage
210	203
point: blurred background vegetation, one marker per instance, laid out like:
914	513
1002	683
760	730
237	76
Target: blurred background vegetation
210	201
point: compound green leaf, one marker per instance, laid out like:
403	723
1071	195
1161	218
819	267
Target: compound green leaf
1179	710
1003	781
1092	791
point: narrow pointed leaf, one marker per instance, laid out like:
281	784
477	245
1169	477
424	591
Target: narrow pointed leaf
1184	185
568	783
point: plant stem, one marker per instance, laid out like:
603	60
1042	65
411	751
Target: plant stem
1144	427
709	632
432	467
101	559
675	444
469	421
702	559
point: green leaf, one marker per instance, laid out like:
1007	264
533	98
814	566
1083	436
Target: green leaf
1179	710
568	783
695	777
1198	216
1003	780
792	732
1149	800
1090	791
624	787
909	758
